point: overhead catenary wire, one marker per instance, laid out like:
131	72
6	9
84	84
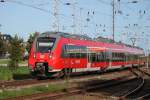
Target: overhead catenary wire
28	5
35	7
126	6
48	11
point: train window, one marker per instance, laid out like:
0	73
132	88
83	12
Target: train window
118	56
83	55
92	57
77	55
100	56
108	56
45	44
72	51
97	57
113	56
72	55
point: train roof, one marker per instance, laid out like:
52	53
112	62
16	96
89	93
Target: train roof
66	35
84	37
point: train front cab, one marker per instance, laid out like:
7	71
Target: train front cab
41	55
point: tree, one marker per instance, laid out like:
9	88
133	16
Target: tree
15	52
2	46
30	40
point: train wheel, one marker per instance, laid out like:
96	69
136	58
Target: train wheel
102	70
60	74
67	71
33	74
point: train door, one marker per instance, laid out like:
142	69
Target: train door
105	58
126	58
89	59
109	53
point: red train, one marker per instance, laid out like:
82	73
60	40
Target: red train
56	52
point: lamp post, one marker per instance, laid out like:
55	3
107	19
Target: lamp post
148	50
113	5
73	4
0	28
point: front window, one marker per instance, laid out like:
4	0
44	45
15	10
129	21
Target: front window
45	44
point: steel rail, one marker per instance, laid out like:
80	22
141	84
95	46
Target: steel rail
26	82
71	91
144	96
143	72
147	94
135	89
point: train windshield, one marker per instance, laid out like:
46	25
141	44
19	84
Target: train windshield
45	44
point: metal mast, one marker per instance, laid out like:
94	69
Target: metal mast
56	15
80	21
113	5
73	15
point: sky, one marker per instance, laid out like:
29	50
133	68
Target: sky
91	17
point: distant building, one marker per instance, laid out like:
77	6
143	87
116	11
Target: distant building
5	37
6	40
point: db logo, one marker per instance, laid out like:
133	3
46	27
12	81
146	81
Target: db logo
41	56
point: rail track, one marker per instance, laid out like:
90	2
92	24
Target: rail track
144	97
73	91
137	88
32	82
87	86
145	91
92	86
141	92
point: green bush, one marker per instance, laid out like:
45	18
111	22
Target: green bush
7	74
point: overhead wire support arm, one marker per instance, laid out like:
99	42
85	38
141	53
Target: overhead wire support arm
56	15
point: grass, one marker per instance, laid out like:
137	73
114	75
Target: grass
32	90
23	62
22	70
7	74
6	61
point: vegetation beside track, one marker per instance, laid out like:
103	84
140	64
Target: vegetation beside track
32	90
7	74
6	61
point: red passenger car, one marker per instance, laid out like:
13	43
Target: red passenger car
54	52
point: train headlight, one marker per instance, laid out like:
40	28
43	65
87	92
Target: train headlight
50	55
34	56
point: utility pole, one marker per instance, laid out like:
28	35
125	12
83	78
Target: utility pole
74	16
0	26
80	21
56	15
147	58
113	5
